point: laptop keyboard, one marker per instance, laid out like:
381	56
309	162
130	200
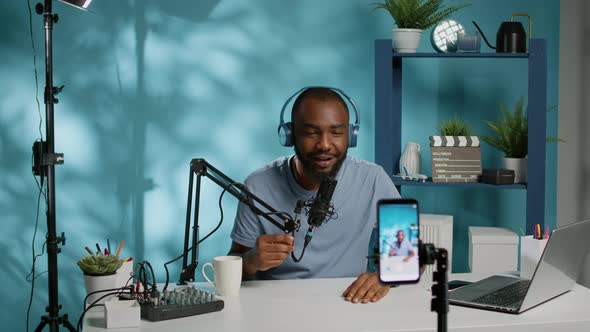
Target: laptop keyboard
509	296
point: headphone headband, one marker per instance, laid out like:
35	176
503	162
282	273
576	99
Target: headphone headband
285	128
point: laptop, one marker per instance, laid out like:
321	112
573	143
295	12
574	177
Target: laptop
556	273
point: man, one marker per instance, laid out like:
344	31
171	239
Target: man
320	124
402	247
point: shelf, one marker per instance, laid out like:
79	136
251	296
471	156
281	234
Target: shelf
485	55
389	72
399	182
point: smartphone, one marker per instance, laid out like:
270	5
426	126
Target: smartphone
398	237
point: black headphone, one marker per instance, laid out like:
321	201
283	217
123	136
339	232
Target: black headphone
285	129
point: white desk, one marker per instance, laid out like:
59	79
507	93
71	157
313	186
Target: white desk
316	305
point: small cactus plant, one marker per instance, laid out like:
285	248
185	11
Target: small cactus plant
97	265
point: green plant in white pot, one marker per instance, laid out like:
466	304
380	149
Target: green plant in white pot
511	136
412	17
99	274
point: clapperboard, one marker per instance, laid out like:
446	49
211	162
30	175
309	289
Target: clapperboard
455	158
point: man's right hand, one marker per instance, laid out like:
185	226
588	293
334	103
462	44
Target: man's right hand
270	251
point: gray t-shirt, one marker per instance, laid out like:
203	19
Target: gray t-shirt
339	246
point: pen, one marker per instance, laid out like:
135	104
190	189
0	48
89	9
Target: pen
98	247
109	245
546	236
106	251
89	251
120	247
539	235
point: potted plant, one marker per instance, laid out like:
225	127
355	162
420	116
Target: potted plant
511	137
455	152
412	17
100	272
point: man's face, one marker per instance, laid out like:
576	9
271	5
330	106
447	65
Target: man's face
400	236
321	137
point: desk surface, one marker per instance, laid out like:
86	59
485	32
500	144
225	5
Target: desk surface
317	305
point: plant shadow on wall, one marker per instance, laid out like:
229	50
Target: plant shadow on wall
149	85
112	120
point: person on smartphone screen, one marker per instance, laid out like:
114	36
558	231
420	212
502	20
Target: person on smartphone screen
321	135
401	246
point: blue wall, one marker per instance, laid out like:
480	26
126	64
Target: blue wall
149	85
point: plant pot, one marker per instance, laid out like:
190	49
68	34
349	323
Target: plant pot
97	283
405	40
519	166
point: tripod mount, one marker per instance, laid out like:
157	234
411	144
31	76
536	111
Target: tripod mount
429	255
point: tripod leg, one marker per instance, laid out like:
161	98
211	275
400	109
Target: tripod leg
41	324
66	323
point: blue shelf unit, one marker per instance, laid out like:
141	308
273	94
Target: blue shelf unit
388	119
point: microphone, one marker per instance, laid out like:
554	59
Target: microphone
320	207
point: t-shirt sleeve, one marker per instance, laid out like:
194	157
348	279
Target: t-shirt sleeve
384	187
247	226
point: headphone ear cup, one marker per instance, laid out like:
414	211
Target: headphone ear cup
286	134
353	133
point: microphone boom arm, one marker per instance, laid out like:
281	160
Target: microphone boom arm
201	168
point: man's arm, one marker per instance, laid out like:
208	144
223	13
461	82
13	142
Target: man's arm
270	251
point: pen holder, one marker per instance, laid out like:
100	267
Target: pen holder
530	253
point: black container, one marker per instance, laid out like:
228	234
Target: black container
497	176
511	38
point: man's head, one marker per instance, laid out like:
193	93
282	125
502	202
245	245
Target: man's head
400	236
320	129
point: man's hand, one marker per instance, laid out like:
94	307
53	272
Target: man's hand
366	288
270	251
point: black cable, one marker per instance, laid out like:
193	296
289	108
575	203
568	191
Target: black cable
39	185
34	261
203	239
35	68
283	215
302	252
94	304
153	274
118	289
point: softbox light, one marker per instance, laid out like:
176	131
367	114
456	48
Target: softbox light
81	4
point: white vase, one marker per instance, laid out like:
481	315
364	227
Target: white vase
519	166
98	283
410	159
405	40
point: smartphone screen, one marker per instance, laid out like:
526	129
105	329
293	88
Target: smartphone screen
398	240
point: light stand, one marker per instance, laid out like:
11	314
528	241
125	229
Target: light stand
44	162
202	168
440	302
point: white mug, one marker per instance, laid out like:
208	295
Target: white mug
228	274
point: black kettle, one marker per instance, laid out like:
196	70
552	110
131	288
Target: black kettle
511	37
